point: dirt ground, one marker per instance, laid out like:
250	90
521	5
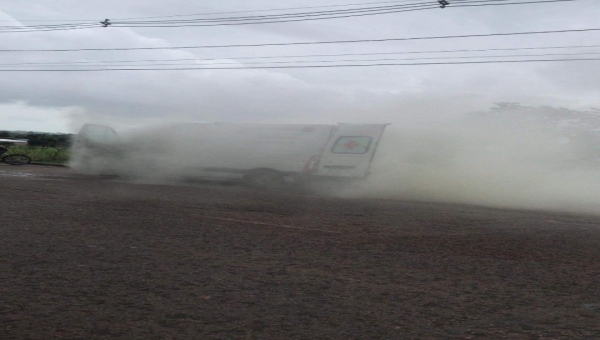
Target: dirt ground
85	257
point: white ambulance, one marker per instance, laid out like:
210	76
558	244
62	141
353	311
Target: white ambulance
260	154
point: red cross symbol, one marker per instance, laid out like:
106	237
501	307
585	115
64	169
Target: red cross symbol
351	145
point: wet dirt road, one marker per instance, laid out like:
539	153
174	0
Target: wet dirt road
85	257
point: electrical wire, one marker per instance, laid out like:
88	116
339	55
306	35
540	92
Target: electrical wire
216	13
311	55
304	66
309	42
320	16
271	10
217	20
276	18
227	20
295	15
99	64
21	29
287	15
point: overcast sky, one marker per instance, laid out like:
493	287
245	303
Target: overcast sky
61	101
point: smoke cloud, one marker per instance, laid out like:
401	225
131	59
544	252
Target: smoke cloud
484	165
510	157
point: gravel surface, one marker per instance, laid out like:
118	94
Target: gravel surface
86	257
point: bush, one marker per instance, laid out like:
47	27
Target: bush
42	154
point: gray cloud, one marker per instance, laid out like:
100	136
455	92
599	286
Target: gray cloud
293	95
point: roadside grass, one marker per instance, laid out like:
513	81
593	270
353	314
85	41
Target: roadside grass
40	154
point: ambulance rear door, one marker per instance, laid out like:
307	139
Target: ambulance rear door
350	151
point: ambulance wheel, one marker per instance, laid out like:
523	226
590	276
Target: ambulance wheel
16	159
264	179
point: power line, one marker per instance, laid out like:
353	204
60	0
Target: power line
280	18
84	21
315	55
229	20
91	64
429	4
222	12
308	43
307	66
297	14
277	18
319	15
323	16
49	26
21	29
270	10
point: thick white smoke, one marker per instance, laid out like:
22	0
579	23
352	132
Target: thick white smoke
483	165
502	162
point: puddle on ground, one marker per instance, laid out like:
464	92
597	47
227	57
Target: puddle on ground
16	173
23	174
